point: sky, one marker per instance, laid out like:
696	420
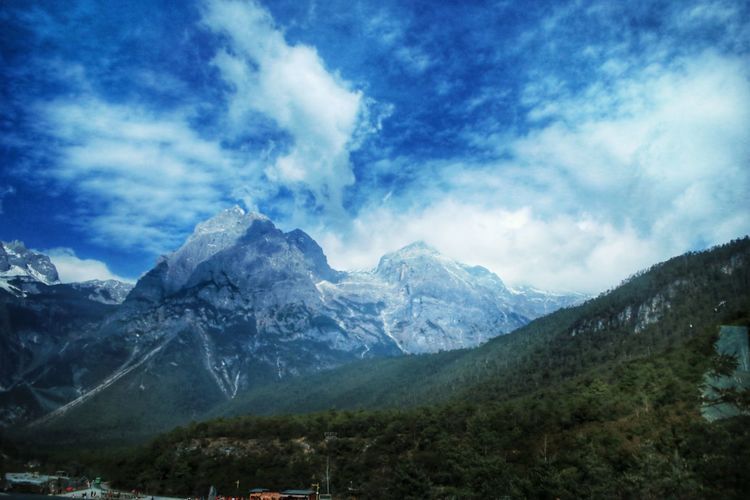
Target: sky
562	145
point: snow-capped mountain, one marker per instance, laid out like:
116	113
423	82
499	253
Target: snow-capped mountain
48	332
242	302
23	270
415	301
426	302
18	262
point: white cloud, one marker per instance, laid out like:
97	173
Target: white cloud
291	85
73	269
666	150
645	159
560	253
144	177
391	33
608	183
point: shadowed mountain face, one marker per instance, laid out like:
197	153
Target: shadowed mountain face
242	303
46	330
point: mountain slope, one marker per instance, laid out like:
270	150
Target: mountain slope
597	401
656	309
50	350
249	304
647	314
626	430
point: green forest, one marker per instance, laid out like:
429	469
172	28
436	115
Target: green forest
627	430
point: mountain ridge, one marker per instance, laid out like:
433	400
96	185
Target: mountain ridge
670	304
252	303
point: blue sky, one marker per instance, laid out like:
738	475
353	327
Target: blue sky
564	145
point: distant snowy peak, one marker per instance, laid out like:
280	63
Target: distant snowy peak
416	249
417	256
209	238
534	303
18	261
21	270
232	221
105	291
420	261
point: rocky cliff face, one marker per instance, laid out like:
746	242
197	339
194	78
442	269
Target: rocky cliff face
426	302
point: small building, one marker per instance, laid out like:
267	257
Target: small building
264	494
32	482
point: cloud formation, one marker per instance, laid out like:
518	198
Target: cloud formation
291	85
561	144
604	184
144	176
562	253
72	269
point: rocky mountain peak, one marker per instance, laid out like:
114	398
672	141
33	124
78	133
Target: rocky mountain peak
230	220
416	249
209	238
418	262
17	260
105	291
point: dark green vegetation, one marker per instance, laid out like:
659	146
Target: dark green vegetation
597	401
629	430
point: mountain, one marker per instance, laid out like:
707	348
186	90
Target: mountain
46	328
19	263
105	291
242	303
601	400
430	302
655	310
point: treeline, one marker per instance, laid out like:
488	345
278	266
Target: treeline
627	430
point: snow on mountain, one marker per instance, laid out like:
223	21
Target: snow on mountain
427	302
105	291
441	304
17	261
22	270
415	301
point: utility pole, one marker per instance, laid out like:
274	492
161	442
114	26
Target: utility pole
328	476
329	436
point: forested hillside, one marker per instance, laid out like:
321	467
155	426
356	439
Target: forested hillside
623	430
